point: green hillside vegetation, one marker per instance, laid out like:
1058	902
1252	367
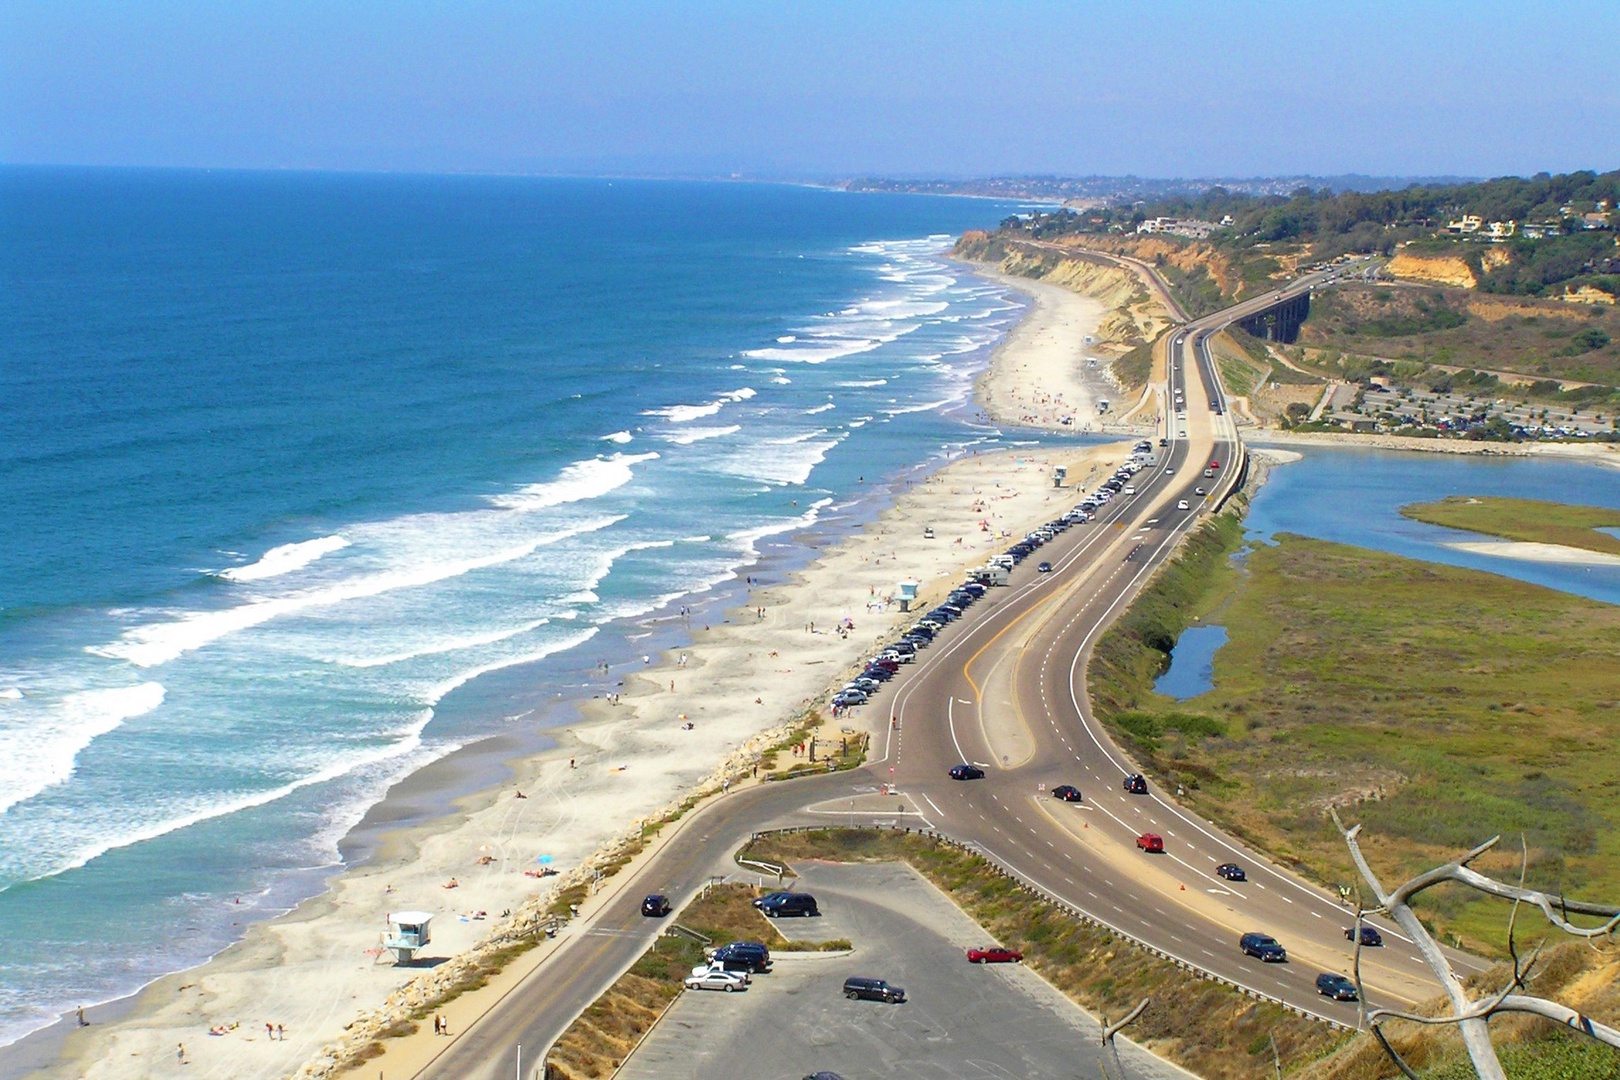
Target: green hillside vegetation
1431	325
1438	705
1321	225
1524	519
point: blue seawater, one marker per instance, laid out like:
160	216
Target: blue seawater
291	460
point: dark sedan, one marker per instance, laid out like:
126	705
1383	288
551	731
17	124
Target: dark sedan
1263	947
1231	871
1370	938
1336	987
966	772
1066	792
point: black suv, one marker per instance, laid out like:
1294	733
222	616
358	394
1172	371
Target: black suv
785	905
1136	784
655	906
750	956
873	990
1263	947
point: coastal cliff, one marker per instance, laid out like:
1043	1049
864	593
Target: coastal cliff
1134	318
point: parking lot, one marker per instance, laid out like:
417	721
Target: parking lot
961	1019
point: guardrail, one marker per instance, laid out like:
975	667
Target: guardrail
1035	888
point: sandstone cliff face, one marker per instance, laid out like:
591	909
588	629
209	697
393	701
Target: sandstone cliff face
1133	318
1442	271
1447	269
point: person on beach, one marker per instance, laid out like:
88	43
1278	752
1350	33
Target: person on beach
180	1054
438	1026
82	1021
270	1031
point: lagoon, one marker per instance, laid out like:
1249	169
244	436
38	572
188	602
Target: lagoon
1354	496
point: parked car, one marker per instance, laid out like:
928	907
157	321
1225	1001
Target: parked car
1152	843
1231	871
1263	947
729	962
708	978
864	683
1336	987
752	953
1135	784
1370	937
995	954
788	905
1066	792
966	772
656	906
873	990
1044	568
849	697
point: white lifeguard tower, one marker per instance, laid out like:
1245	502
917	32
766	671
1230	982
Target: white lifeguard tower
907	594
407	934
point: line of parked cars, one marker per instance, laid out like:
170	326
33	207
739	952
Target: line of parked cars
886	664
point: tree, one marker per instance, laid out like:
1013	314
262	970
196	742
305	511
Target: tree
1472	1016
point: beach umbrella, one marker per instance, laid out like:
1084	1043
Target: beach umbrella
543	859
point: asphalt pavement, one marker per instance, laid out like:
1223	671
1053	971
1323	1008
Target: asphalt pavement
961	1020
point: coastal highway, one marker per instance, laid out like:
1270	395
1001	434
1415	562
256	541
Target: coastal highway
1004	687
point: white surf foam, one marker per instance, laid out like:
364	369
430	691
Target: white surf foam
684	414
747	540
577	482
447	645
826	349
620	437
820	409
285	559
153	644
697	434
37	752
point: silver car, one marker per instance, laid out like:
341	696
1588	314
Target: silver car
712	978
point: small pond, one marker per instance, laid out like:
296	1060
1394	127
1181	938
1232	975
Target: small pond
1192	663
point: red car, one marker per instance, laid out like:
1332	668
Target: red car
1214	464
1152	843
994	955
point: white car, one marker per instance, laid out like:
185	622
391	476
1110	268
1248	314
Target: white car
1129	490
710	978
1182	505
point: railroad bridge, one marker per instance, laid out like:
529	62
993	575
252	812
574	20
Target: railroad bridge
1279	322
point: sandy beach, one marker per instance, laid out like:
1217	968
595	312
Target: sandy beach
1533	552
692	719
1591	453
1044	374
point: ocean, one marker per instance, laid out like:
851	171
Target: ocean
311	479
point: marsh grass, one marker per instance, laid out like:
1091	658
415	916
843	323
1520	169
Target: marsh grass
1437	705
1530	520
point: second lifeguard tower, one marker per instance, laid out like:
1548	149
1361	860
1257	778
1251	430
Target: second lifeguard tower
408	933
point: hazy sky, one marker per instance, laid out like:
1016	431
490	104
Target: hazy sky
808	88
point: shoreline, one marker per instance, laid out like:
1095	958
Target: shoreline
609	770
1595	453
